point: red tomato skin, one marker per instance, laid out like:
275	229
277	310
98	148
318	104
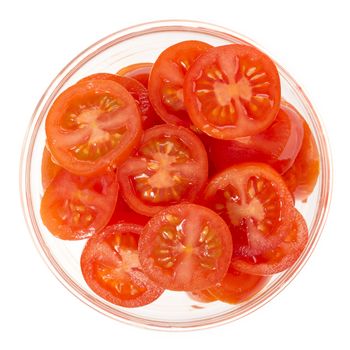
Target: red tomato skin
277	146
137	71
49	169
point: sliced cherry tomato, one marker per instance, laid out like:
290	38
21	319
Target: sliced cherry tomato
137	91
169	167
302	177
138	71
92	126
76	207
167	77
49	169
123	213
185	247
111	267
237	287
203	296
256	204
277	146
232	91
280	258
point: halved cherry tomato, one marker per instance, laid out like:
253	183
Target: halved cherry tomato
138	71
167	77
123	213
111	267
92	126
76	207
185	247
256	204
280	258
169	167
237	287
232	91
49	169
302	177
137	91
203	296
277	146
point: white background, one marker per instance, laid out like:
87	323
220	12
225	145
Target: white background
309	38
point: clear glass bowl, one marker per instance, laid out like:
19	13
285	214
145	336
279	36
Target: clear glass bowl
173	310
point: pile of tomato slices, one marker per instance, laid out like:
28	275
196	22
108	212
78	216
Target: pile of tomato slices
181	174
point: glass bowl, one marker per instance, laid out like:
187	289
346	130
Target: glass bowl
173	310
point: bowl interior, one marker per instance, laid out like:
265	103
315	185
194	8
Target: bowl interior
173	309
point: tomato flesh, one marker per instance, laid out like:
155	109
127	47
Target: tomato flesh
256	204
167	78
92	126
169	167
277	146
232	91
137	71
75	207
111	267
49	169
185	247
280	258
203	296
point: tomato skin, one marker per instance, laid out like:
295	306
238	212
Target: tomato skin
232	91
256	204
113	252
185	247
49	169
75	207
237	287
302	177
194	176
67	142
137	91
137	71
203	296
277	146
280	258
167	77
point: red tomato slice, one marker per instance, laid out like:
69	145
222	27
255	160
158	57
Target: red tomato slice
302	177
280	258
169	167
111	267
203	296
237	287
137	91
75	207
256	204
49	169
185	247
232	91
167	77
277	146
138	71
92	126
123	213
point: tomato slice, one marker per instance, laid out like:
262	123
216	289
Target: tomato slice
232	91
123	213
237	287
302	177
203	296
111	267
137	91
280	258
49	169
277	146
169	167
185	247
76	207
167	77
92	126
256	204
137	71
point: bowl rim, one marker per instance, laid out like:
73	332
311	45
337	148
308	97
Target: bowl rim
25	181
